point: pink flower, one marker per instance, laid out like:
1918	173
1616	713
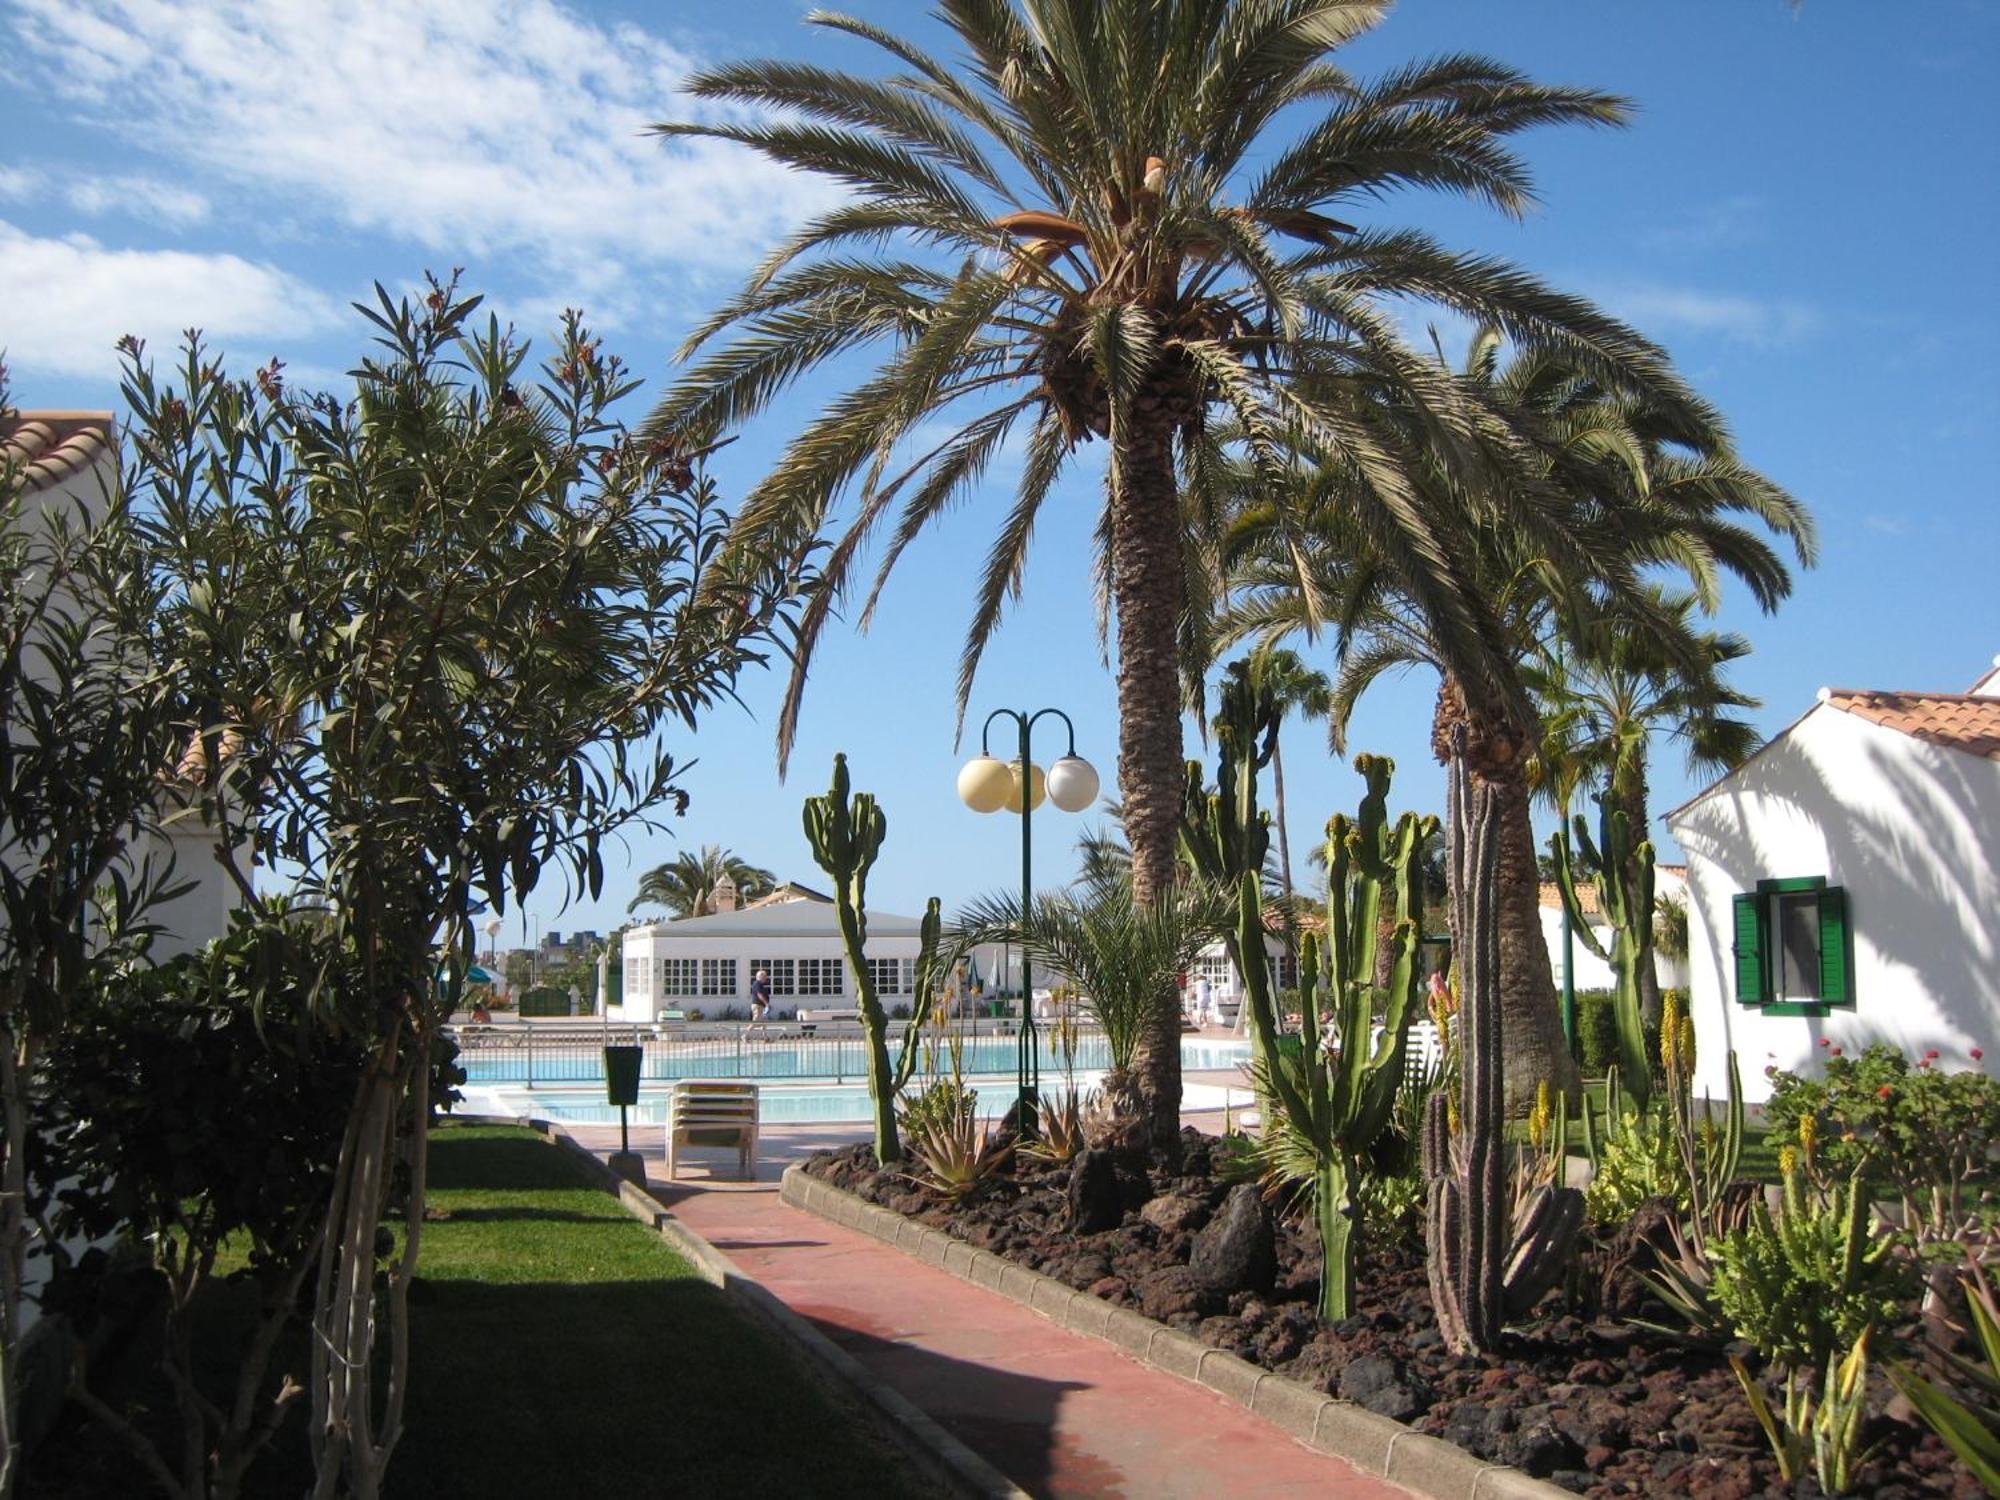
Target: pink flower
1977	1054
1932	1054
1925	1063
1824	1042
1836	1052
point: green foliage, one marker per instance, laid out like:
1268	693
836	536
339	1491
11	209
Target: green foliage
954	1154
1929	1133
686	884
1597	1031
460	607
196	1105
1969	1426
1830	1428
1624	884
1813	1277
1637	1159
544	1000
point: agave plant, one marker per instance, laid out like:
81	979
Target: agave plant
1969	1427
1118	951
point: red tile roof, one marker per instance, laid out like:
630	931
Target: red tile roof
51	446
1959	721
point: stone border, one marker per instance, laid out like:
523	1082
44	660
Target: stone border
1375	1444
940	1457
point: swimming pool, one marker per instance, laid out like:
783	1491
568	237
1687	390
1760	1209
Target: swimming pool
830	1059
809	1104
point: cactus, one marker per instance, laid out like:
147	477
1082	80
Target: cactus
1482	1268
845	837
1625	895
1331	1105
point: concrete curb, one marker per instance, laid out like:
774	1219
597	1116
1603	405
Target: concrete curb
1374	1444
936	1454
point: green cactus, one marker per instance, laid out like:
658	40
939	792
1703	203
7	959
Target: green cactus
1483	1268
845	836
1624	884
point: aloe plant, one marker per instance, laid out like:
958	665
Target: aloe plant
1970	1426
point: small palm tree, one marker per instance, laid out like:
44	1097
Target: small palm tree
1295	688
1118	951
685	885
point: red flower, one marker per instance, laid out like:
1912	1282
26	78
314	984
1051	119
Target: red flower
1824	1042
1836	1052
1884	1092
1977	1054
1925	1063
1932	1054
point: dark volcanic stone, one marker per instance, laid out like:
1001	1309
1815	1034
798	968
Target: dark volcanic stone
1384	1386
1095	1201
1237	1251
1174	1213
1167	1293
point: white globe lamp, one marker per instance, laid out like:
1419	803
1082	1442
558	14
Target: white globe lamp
985	783
1038	787
1072	783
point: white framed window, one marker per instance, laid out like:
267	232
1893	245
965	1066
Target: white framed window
718	976
820	976
678	977
636	987
893	976
783	980
1284	971
1216	969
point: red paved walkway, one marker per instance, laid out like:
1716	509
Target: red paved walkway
1060	1414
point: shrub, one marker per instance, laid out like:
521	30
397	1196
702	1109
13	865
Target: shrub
1638	1159
1813	1278
1929	1134
1597	1031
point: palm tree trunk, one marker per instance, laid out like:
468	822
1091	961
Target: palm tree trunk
1284	844
1147	588
1531	1013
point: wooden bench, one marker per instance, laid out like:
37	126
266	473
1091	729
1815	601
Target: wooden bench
713	1112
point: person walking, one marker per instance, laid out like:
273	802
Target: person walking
760	1004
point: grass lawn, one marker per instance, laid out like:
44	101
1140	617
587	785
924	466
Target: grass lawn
559	1348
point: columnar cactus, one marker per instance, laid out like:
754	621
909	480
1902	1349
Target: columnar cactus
1334	1093
1625	895
1483	1268
845	838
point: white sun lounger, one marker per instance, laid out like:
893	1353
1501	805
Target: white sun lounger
713	1112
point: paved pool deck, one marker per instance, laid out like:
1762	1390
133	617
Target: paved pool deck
1060	1414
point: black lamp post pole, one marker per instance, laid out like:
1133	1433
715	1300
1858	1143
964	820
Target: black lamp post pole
1028	1051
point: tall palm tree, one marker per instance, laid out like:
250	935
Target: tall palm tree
1625	485
1605	691
685	885
1090	224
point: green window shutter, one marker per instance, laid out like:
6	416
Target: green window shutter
1836	971
1750	988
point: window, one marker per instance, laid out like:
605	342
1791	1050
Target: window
1284	971
893	976
1794	947
677	976
635	979
718	976
819	976
780	970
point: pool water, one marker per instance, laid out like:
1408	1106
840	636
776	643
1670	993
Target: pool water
808	1104
832	1059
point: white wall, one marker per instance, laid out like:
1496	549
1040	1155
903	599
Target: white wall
1588	971
1912	832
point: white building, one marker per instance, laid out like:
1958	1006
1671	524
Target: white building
1845	885
706	963
68	461
1587	970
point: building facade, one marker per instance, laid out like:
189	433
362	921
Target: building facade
1844	886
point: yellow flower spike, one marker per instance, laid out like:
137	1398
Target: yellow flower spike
1788	1160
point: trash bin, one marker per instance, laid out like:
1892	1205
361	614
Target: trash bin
621	1073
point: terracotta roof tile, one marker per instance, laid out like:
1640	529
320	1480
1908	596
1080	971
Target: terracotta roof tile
1586	897
1959	721
51	446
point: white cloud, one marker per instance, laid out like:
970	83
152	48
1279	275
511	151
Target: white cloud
129	193
1740	219
466	128
76	298
1661	309
17	184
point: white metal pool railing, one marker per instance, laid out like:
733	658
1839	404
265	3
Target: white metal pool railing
533	1054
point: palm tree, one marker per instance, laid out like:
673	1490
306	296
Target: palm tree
685	885
1297	688
1091	225
1625	484
1605	691
1118	951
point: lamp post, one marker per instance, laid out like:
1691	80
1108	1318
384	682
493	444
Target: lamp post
986	784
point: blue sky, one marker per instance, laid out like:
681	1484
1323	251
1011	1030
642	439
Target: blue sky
1803	211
